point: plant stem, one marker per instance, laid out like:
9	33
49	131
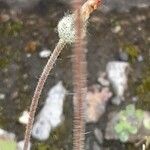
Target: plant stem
60	45
79	81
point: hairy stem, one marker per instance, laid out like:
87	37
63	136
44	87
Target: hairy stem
79	81
60	45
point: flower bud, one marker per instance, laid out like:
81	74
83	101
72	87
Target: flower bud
66	28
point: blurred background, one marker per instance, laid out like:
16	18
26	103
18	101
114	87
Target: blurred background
118	31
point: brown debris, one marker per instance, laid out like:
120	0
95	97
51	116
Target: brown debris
31	46
96	103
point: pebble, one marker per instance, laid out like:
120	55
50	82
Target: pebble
28	55
45	53
2	96
7	135
116	29
23	119
134	98
51	115
117	100
140	58
117	72
139	28
4	17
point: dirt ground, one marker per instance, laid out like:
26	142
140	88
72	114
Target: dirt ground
21	40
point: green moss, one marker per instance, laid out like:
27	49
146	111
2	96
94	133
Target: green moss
144	87
5	57
11	28
43	146
3	62
8	55
132	51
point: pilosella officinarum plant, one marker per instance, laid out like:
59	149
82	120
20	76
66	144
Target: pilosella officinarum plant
71	30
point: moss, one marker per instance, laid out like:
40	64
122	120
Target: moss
11	28
143	91
3	62
144	87
132	51
5	57
42	146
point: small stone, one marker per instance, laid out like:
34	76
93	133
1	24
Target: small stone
45	53
26	87
117	72
117	100
134	98
139	28
143	146
140	58
23	119
116	29
51	115
2	96
4	17
98	135
28	55
7	135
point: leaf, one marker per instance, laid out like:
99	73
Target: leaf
7	145
133	130
119	128
123	136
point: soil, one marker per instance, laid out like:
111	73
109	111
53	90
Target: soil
22	37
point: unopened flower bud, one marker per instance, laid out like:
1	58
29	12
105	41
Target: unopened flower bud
66	28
